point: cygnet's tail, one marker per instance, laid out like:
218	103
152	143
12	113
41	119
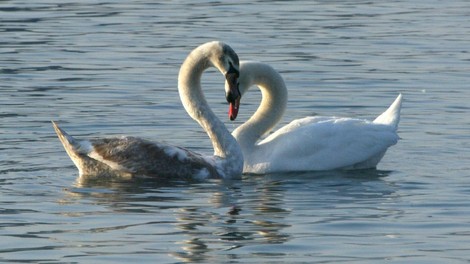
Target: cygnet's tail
71	146
392	115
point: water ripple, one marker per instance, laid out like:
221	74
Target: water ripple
110	68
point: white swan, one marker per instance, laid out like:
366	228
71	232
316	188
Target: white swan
134	157
310	143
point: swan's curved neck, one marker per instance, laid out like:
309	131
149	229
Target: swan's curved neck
192	97
273	102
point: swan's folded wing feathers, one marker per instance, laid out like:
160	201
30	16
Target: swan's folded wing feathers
141	157
331	142
353	141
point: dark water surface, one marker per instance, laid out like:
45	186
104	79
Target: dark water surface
110	68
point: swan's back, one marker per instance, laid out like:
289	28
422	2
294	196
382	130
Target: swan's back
127	157
325	143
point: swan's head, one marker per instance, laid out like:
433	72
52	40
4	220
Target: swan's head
224	58
232	93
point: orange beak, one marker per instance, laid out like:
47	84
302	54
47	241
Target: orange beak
233	109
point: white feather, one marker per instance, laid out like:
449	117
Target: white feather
310	143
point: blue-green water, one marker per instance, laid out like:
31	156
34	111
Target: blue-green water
110	68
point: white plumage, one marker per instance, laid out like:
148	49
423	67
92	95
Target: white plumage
311	143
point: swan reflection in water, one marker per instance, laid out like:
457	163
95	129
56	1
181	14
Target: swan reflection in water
195	221
237	216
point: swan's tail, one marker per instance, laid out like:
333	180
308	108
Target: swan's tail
71	146
392	115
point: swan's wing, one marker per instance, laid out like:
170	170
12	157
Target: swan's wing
126	153
131	156
145	158
323	143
